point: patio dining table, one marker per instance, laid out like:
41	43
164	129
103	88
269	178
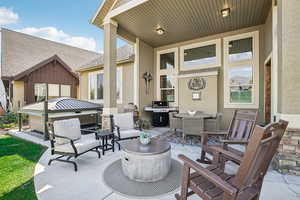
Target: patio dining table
196	116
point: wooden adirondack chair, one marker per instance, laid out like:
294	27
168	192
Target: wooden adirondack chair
213	184
240	129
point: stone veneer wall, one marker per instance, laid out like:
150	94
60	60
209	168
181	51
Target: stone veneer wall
288	158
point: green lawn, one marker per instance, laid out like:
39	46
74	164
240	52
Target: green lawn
241	97
17	161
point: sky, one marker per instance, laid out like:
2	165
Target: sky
65	21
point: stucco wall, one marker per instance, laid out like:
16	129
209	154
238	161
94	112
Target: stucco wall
209	99
18	94
146	54
227	113
288	56
127	83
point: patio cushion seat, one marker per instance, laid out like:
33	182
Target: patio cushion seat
82	145
129	133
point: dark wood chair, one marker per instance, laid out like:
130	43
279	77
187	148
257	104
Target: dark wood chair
214	184
240	129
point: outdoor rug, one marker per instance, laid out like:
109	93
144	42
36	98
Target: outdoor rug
115	179
173	137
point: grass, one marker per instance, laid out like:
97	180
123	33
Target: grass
17	161
241	97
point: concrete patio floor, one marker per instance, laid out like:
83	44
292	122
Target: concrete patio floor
60	182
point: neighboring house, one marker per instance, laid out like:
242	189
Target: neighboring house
30	64
92	78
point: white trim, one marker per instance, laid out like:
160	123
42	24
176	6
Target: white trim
136	72
98	10
123	8
274	68
168	72
293	119
110	21
216	42
202	74
254	62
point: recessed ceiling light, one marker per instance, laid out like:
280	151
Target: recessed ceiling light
160	31
225	12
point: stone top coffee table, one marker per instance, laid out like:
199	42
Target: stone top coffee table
146	163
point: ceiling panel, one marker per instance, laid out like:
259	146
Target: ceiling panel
189	19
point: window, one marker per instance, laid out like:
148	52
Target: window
65	90
96	85
53	91
241	71
167	69
39	92
200	55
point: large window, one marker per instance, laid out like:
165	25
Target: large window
167	70
241	71
96	86
40	92
200	55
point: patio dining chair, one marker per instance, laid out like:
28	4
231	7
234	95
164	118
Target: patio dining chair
174	122
66	141
213	183
240	129
124	127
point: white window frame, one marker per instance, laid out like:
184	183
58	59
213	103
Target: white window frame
119	101
216	42
255	70
167	72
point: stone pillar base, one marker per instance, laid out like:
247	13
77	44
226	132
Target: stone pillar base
107	122
288	158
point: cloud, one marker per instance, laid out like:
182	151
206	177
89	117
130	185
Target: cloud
8	16
52	33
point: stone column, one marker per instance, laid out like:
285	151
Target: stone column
110	67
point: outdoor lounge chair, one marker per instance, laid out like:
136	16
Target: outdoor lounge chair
213	183
124	127
66	141
240	129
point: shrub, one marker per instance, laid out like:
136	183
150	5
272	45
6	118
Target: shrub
8	120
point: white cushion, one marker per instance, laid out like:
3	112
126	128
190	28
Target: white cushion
67	128
129	133
124	120
82	145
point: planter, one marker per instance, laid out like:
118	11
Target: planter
2	111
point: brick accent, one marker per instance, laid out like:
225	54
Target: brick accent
287	159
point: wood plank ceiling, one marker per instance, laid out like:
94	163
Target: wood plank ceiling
188	19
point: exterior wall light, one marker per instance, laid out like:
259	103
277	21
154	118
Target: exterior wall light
225	12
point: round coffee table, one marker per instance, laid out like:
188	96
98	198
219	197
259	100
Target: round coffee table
146	163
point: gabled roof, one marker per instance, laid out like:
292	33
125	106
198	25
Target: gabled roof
20	52
42	64
124	54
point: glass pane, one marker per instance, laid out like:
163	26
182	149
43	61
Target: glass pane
65	90
168	95
167	60
240	50
241	75
100	86
166	82
241	94
92	85
200	56
39	92
53	91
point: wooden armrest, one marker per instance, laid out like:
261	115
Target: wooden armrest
234	142
226	187
215	133
225	153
